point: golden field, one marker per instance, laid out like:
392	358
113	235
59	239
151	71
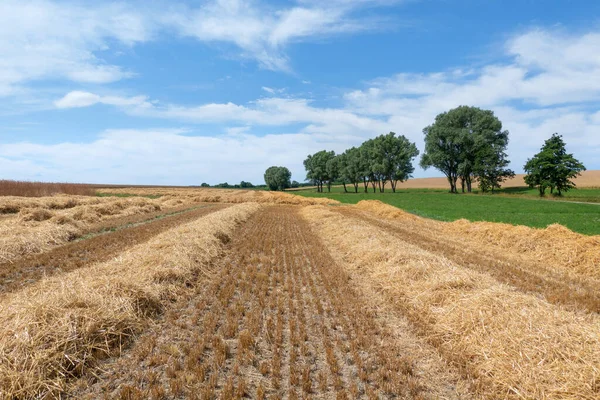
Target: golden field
213	293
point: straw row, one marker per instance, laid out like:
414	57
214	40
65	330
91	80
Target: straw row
60	327
512	344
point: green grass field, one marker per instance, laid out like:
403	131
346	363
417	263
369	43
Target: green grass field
514	207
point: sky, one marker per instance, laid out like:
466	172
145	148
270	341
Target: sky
180	93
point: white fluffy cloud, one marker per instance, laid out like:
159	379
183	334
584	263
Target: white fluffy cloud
535	93
43	39
40	39
161	157
77	99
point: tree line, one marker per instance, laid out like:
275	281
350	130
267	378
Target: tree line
467	144
386	158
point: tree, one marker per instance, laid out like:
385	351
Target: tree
278	178
456	141
244	185
316	168
351	168
392	159
332	167
295	184
491	168
553	167
204	184
367	164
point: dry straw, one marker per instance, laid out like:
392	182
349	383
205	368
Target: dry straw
514	345
556	247
224	195
29	226
59	327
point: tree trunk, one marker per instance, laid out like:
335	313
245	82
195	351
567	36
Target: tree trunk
374	184
345	190
355	187
462	183
393	183
366	185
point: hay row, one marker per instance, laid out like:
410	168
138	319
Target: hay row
59	327
223	195
556	246
44	223
513	345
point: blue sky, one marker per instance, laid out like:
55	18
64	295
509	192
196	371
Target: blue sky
159	92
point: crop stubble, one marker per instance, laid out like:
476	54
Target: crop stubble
280	319
510	343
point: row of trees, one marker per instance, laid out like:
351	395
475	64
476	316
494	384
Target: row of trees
386	158
466	144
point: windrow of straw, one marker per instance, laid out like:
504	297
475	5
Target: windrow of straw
514	345
40	224
222	195
60	327
555	246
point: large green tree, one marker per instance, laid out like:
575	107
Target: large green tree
392	159
316	168
553	167
278	178
458	139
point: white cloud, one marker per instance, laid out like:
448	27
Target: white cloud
533	94
262	32
161	157
77	99
41	39
44	39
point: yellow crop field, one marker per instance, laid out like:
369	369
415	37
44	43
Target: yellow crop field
231	294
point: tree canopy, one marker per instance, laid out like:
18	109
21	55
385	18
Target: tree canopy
553	167
466	143
317	171
278	178
386	158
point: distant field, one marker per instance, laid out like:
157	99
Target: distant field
441	205
587	179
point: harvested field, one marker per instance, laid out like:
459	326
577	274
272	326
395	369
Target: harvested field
34	225
282	320
513	344
222	195
209	294
101	247
41	189
60	327
564	271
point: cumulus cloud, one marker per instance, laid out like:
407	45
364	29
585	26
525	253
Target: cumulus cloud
535	94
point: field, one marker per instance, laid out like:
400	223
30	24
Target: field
155	293
517	206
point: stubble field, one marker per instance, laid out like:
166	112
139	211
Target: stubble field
206	293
